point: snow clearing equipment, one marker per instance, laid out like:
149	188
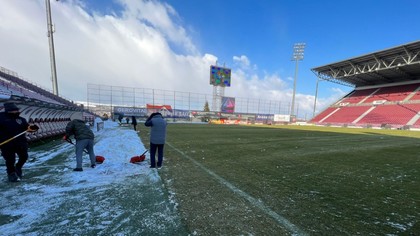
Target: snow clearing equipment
99	159
31	128
138	159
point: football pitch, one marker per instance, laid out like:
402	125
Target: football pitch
293	180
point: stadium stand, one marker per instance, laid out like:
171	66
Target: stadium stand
393	93
386	89
323	115
346	115
39	106
357	96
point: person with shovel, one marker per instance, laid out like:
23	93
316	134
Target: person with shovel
13	140
84	139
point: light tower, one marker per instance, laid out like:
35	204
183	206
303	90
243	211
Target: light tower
52	52
298	50
316	95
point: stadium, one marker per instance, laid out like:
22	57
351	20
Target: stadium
248	162
322	178
386	95
386	90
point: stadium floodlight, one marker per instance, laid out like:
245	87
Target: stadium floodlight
298	51
51	43
316	96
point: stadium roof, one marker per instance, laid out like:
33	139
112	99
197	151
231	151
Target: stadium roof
393	65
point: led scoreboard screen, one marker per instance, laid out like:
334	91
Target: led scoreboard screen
219	76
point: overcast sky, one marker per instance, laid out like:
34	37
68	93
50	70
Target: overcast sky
171	44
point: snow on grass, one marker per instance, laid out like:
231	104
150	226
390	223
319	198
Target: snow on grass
99	200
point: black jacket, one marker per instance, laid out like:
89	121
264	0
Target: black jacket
9	127
133	120
79	129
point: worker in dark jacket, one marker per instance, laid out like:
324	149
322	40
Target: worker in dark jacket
157	138
13	141
134	122
84	139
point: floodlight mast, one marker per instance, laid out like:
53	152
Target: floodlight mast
316	96
51	43
298	51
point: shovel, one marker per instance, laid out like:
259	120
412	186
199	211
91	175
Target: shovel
10	139
99	159
137	159
31	128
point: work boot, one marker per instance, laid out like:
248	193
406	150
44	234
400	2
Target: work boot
13	177
93	165
78	169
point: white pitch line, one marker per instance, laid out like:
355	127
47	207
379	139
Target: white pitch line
257	203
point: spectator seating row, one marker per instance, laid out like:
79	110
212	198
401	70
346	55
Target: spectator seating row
397	93
389	94
12	78
395	106
39	106
9	88
48	127
357	96
391	114
395	115
346	114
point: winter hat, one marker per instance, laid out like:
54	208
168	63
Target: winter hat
77	116
10	106
156	114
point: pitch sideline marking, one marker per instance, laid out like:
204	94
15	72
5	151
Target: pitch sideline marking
257	203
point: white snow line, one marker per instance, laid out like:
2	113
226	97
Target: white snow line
257	203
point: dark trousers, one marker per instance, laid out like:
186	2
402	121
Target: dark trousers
9	155
153	148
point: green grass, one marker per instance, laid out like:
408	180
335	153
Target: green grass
324	180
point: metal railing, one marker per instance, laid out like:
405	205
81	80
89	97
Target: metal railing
107	96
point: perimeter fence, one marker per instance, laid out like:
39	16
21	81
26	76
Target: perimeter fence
104	98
